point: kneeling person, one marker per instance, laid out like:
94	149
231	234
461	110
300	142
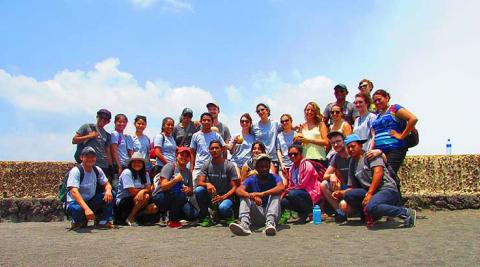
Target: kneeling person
83	199
134	190
260	199
173	186
217	182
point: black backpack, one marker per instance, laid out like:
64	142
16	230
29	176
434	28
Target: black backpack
82	145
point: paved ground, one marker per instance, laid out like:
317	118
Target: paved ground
440	238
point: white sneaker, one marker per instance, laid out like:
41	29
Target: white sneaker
270	228
240	229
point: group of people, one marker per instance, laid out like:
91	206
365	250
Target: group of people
345	160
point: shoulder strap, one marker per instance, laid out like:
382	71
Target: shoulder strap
186	133
163	139
82	172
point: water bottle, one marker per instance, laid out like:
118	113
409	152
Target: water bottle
317	215
449	147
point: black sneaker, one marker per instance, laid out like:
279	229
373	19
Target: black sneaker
411	219
340	218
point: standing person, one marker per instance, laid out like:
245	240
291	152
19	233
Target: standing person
95	136
349	112
122	145
365	86
338	123
284	141
336	175
363	123
303	189
134	193
173	187
260	199
83	199
372	187
248	168
141	142
200	145
392	125
184	130
165	145
241	144
214	110
313	134
266	131
217	182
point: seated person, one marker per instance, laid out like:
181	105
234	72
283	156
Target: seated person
217	182
303	189
134	190
84	201
173	187
260	199
372	187
336	176
248	169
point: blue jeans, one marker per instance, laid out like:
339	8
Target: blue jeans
298	200
203	198
96	204
382	203
177	204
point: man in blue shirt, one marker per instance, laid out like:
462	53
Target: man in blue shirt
260	199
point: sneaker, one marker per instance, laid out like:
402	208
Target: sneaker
284	217
75	226
411	219
107	225
240	229
302	218
340	218
207	222
174	224
270	228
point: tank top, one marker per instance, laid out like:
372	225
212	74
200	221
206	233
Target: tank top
312	151
338	130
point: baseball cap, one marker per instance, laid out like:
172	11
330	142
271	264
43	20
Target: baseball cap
187	111
88	150
213	104
260	157
104	113
181	149
341	86
354	138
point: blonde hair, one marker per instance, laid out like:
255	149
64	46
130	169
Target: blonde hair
318	115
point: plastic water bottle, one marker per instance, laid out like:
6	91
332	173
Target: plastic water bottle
449	147
317	215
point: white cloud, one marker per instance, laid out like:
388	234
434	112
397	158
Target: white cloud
166	5
233	94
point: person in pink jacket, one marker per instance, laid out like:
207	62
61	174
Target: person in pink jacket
303	189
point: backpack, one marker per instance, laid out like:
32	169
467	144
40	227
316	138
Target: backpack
318	166
412	138
63	189
151	153
82	145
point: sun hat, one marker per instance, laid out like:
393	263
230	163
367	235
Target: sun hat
137	156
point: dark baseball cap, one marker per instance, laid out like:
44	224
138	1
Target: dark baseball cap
88	150
187	111
341	86
104	113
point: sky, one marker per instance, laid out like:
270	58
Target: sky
61	61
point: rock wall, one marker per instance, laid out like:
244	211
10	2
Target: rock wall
28	189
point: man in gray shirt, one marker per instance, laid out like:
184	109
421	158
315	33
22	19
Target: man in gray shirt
223	130
217	182
95	136
349	111
372	187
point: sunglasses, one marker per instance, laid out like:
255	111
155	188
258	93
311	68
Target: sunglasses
244	121
284	121
292	154
362	86
358	102
261	109
335	112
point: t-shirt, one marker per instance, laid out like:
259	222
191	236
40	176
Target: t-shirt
341	165
349	112
124	144
99	144
168	145
363	174
253	184
126	181
179	132
142	144
242	151
219	175
89	184
267	134
169	171
284	141
383	125
362	128
200	143
224	131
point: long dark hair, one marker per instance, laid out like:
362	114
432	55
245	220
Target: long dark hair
142	174
262	146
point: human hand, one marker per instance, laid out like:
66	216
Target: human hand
338	194
217	199
373	154
187	190
258	200
93	135
396	134
89	214
178	178
108	197
334	183
211	188
367	198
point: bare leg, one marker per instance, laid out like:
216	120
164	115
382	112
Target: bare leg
137	207
328	195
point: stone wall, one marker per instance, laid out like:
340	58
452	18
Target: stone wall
28	189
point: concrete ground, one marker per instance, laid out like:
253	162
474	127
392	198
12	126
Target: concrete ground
440	238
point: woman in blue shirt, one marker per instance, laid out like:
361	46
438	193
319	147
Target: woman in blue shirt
241	144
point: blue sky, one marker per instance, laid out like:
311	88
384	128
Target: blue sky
60	61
